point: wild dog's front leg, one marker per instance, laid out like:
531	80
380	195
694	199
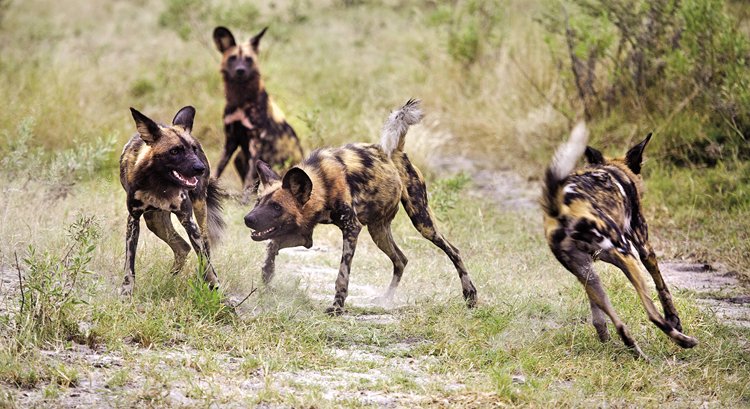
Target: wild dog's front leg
269	265
272	250
346	219
229	148
200	245
131	243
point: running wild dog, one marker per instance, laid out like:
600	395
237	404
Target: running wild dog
351	186
163	170
595	213
252	121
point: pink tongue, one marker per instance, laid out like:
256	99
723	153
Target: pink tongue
193	180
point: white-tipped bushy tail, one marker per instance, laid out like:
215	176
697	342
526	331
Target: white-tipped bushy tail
395	128
563	163
567	155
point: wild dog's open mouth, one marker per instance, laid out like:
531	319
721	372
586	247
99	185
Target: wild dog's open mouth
262	234
187	182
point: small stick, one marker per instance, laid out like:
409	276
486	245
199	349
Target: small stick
244	299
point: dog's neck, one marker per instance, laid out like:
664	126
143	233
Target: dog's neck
247	93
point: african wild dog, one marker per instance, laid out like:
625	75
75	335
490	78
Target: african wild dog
252	121
351	186
595	213
163	170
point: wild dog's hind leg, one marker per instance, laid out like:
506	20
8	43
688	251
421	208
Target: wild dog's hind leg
201	216
131	244
631	266
580	264
199	245
599	320
160	223
241	163
381	235
649	261
414	199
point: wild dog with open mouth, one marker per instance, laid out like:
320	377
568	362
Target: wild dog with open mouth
163	170
595	213
351	186
252	121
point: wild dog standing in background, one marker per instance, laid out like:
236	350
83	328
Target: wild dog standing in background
352	186
595	214
252	121
164	170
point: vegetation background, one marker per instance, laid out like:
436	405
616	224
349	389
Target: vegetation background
502	82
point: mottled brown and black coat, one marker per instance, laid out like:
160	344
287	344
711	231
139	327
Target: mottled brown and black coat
252	121
164	171
594	213
352	186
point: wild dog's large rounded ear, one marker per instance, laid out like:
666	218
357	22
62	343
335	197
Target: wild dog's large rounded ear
266	174
593	156
255	41
634	157
184	118
148	129
223	39
298	183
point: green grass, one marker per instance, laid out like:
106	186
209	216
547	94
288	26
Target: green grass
336	68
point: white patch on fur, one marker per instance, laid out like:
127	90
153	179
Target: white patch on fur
571	188
606	243
567	155
142	153
395	128
619	186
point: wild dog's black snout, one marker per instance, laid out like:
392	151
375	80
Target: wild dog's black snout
250	220
199	168
240	72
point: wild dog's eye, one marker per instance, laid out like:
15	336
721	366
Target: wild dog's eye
232	58
276	207
174	151
249	60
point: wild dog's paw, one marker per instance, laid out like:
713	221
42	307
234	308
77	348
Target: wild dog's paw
126	290
334	310
470	295
685	341
674	321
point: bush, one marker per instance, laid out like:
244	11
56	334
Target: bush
473	28
657	60
51	287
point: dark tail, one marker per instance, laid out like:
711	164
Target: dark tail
215	196
564	161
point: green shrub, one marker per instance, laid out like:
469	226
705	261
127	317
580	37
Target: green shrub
658	63
51	287
473	28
